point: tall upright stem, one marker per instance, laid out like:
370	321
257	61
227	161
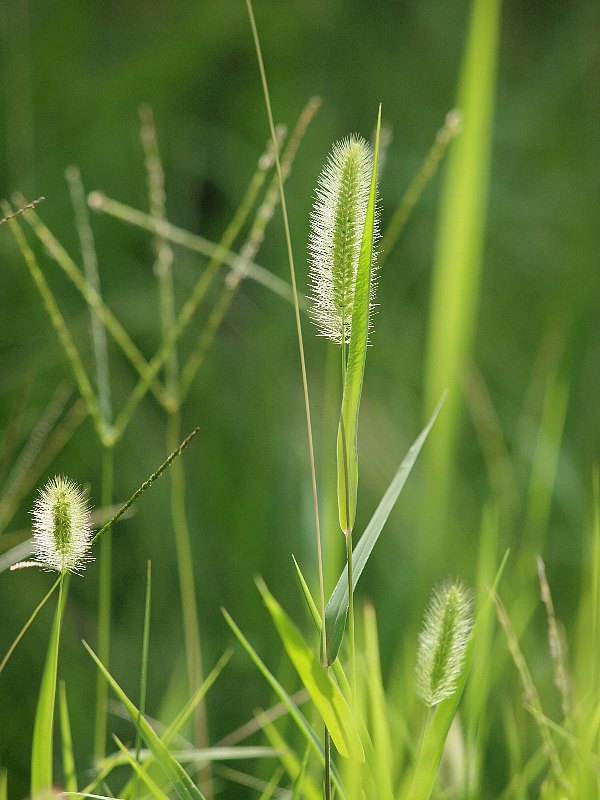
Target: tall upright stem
104	605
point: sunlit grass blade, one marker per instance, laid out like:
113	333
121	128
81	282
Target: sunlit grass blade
181	719
545	464
272	785
460	239
183	785
324	693
292	708
288	757
299	784
43	727
347	453
436	732
133	762
335	614
378	718
68	760
3	784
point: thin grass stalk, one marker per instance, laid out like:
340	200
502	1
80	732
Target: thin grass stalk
217	253
92	277
144	670
25	627
249	249
104	607
163	270
301	352
410	198
19	479
60	327
94	300
21	210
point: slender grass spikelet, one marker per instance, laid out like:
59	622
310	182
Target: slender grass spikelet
62	528
443	642
336	230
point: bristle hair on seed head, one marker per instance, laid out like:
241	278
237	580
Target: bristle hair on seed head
336	229
443	642
62	527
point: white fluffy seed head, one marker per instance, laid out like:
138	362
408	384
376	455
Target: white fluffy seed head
336	229
62	527
443	642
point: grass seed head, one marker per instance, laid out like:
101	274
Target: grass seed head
336	230
443	642
62	527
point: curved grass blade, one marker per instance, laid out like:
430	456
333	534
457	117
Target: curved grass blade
293	710
325	694
337	607
133	762
41	745
184	787
347	455
23	630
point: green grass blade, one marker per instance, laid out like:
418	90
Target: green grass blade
184	787
325	694
23	630
347	454
382	744
288	757
41	745
3	785
293	710
460	238
144	665
133	762
69	775
335	613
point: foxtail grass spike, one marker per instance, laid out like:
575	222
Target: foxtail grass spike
443	642
62	528
336	230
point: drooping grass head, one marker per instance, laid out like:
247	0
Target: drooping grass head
337	224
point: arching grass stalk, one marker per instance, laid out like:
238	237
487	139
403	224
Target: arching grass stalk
107	444
290	254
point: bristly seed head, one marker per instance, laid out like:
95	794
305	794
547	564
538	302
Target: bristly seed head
443	642
62	527
336	229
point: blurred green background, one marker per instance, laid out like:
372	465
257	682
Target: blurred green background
73	76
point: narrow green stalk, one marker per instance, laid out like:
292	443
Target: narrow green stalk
218	253
21	210
429	167
104	607
59	325
163	268
144	671
96	304
300	344
250	248
145	485
25	627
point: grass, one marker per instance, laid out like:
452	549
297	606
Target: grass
341	717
